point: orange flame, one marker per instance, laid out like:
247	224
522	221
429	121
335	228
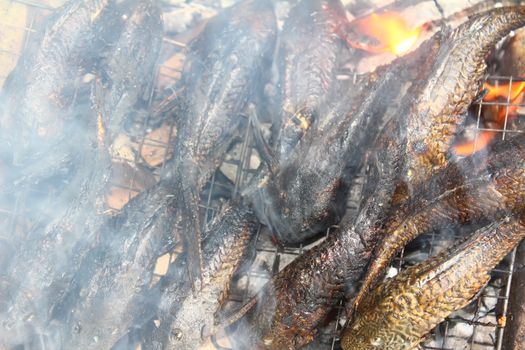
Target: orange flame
516	91
510	111
502	91
391	32
470	147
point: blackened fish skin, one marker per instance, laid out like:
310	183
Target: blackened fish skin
307	193
187	318
398	313
298	299
107	296
45	266
128	70
41	113
225	66
481	191
442	103
309	49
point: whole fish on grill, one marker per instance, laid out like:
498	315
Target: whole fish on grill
308	61
454	83
288	310
187	319
41	271
437	110
110	291
43	111
401	311
473	189
225	65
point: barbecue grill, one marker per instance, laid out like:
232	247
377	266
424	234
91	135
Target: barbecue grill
480	326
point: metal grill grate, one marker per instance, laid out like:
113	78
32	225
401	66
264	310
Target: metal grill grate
480	326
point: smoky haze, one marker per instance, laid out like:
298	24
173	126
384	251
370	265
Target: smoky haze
172	169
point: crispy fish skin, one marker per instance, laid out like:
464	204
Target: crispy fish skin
108	294
187	318
41	272
40	90
472	192
398	313
219	79
129	69
298	299
309	48
291	307
457	76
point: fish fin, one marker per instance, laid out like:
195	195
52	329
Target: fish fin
235	316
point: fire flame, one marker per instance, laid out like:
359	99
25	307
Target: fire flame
502	91
513	92
390	30
471	147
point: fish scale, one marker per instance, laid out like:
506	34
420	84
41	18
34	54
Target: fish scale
436	111
435	288
219	77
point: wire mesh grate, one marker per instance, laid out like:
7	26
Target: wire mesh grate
479	326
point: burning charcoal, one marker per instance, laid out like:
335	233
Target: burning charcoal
188	319
225	65
398	313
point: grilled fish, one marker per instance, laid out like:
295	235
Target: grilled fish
291	307
473	189
225	64
454	82
42	110
187	318
109	292
309	49
41	272
398	313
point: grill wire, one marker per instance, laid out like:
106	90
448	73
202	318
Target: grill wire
479	326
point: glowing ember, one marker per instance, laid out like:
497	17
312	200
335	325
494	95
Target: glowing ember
390	30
